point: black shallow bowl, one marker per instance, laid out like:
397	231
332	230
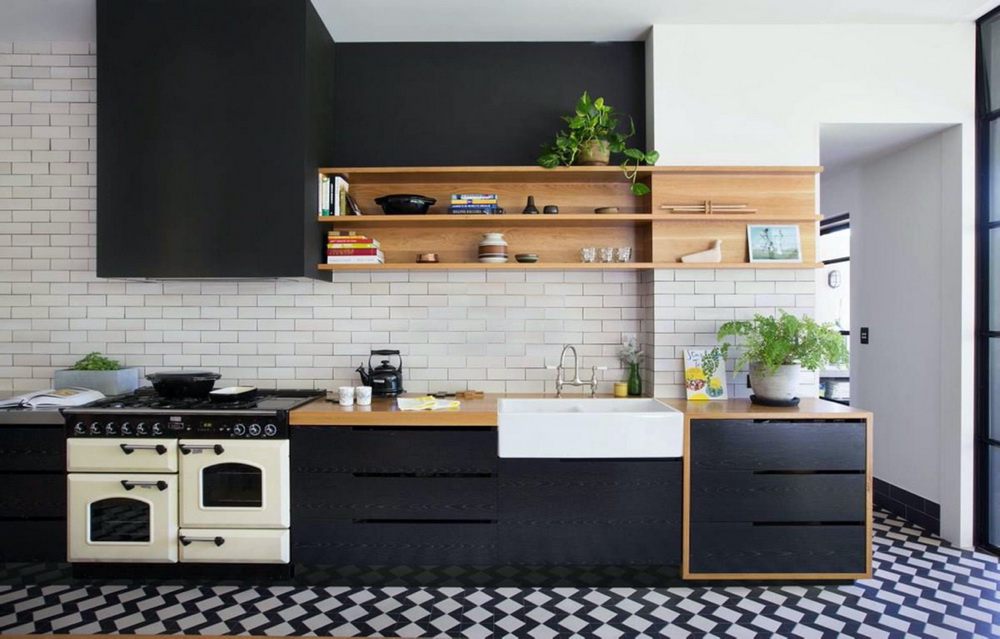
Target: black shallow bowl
404	204
176	384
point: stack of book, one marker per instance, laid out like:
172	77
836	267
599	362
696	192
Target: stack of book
474	203
333	195
351	248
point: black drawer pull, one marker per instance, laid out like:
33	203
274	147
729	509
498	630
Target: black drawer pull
423	521
128	449
159	485
808	523
187	541
187	448
808	472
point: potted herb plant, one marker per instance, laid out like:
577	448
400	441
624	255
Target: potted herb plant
591	135
99	373
777	348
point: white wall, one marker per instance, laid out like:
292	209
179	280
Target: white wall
757	94
491	330
898	374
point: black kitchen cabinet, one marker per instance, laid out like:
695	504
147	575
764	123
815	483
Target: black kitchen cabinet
213	118
32	493
778	498
394	496
590	511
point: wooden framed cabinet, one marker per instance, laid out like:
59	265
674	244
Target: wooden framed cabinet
778	498
659	236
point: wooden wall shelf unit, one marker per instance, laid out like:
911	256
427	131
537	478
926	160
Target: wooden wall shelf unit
780	195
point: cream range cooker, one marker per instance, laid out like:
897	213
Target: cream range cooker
155	480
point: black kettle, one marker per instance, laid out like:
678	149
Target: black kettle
386	380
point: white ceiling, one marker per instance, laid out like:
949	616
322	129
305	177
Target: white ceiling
841	145
518	20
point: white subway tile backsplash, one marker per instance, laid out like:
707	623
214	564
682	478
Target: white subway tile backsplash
493	330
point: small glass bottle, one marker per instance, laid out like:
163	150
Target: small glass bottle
634	380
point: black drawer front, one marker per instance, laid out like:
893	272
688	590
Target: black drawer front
33	448
404	449
28	496
342	496
745	548
583	543
747	496
558	491
742	444
32	541
406	544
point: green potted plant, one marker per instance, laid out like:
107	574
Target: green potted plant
777	348
96	372
591	135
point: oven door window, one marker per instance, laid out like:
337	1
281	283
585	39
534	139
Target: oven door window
232	485
120	519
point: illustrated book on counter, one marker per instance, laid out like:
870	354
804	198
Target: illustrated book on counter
53	398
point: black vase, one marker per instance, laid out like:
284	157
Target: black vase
530	208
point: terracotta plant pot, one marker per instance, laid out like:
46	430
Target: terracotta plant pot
594	153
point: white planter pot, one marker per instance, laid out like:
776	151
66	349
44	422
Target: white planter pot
119	382
780	386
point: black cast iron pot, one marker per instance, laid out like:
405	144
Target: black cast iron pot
404	204
176	384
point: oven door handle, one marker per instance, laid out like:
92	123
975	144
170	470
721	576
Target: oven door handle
129	484
218	541
187	448
128	449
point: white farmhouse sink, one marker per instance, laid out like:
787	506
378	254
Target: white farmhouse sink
589	427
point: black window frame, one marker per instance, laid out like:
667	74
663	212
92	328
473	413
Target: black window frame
983	442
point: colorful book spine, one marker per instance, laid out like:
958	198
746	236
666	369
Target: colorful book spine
348	239
469	209
351	245
324	195
461	197
355	259
339	195
353	251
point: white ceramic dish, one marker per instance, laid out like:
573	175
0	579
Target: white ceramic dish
493	260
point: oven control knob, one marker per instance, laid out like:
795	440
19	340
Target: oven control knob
157	429
142	429
79	428
239	430
255	430
110	428
126	429
270	430
95	429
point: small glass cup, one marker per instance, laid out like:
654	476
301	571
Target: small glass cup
624	253
607	254
588	254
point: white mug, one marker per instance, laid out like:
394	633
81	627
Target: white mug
346	395
364	395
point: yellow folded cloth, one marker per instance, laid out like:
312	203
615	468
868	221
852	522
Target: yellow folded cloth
426	402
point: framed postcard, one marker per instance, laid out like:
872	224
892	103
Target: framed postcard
774	243
704	374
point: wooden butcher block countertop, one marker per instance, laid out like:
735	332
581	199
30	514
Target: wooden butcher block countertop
483	412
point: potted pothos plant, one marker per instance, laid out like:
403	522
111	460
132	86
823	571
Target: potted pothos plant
777	348
100	373
591	135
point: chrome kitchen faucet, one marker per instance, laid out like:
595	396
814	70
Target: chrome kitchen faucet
576	381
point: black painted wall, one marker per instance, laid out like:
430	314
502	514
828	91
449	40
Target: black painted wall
461	103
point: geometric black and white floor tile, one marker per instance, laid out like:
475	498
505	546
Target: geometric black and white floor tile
922	587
